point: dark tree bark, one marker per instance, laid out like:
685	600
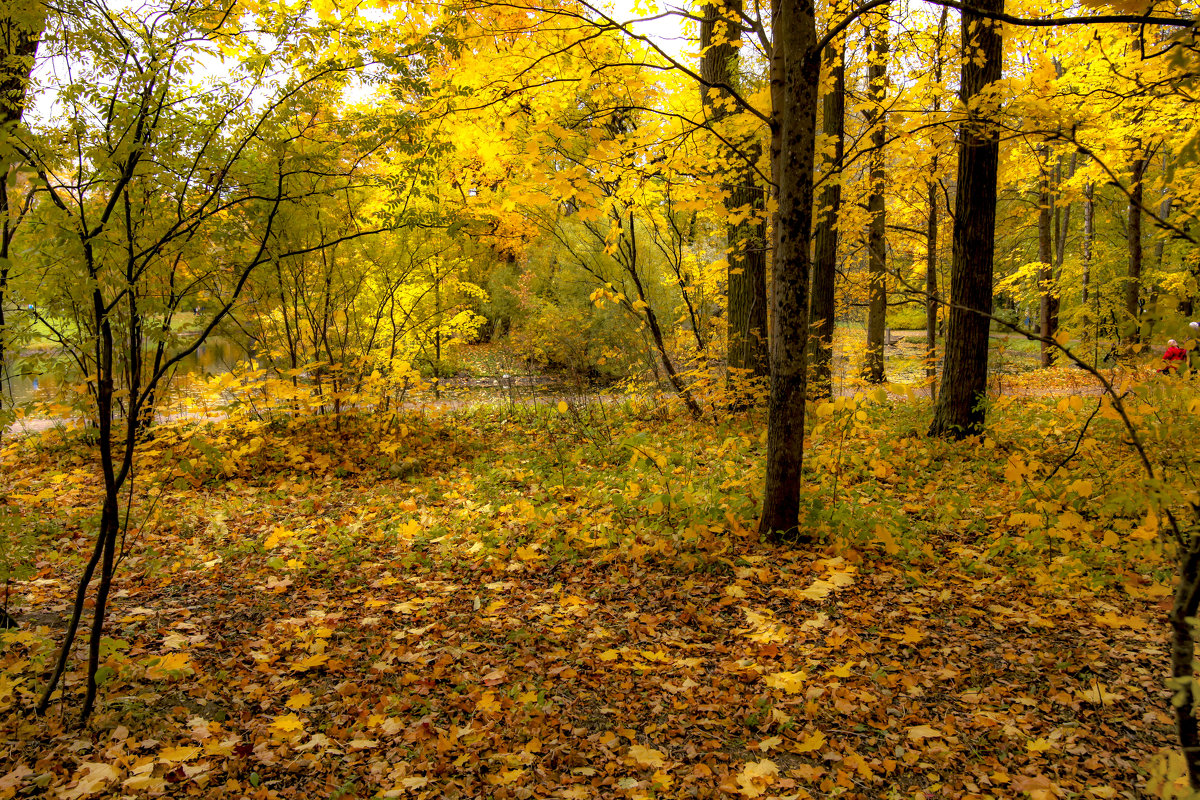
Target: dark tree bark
795	77
876	205
824	276
960	406
1133	240
1046	288
746	317
20	30
1089	235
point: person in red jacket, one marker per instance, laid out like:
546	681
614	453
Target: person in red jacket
1174	357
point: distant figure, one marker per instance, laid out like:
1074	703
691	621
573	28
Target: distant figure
1172	358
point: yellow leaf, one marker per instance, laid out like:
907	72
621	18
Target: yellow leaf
562	406
811	744
770	742
278	535
1038	746
172	665
300	700
529	554
923	732
646	756
790	682
487	703
287	723
753	777
312	662
1112	620
95	779
843	671
172	755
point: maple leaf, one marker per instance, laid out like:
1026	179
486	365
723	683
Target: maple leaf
95	779
812	743
287	724
790	682
173	755
172	665
919	732
312	662
299	700
755	775
646	756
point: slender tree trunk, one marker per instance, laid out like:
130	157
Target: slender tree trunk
631	265
931	230
876	207
1133	240
1164	212
931	281
825	265
746	317
796	70
1046	286
1062	231
1089	235
960	405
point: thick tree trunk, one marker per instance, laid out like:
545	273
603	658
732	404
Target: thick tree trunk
795	76
1133	240
746	317
1046	286
826	234
960	406
876	207
20	29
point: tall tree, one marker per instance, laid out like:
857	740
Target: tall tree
959	410
746	317
21	23
1047	313
1133	243
795	73
833	126
876	203
932	189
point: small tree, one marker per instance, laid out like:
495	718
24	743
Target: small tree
164	198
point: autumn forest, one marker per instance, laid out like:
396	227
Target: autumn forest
565	400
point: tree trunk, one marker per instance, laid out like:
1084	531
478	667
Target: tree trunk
1062	230
746	317
960	406
1045	256
1133	240
631	266
826	234
1160	250
20	28
931	230
795	76
1089	235
876	207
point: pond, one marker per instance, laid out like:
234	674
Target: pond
22	385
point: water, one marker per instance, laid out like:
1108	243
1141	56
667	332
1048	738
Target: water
215	357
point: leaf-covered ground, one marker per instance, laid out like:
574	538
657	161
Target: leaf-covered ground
532	602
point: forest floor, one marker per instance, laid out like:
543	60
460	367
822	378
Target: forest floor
571	602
